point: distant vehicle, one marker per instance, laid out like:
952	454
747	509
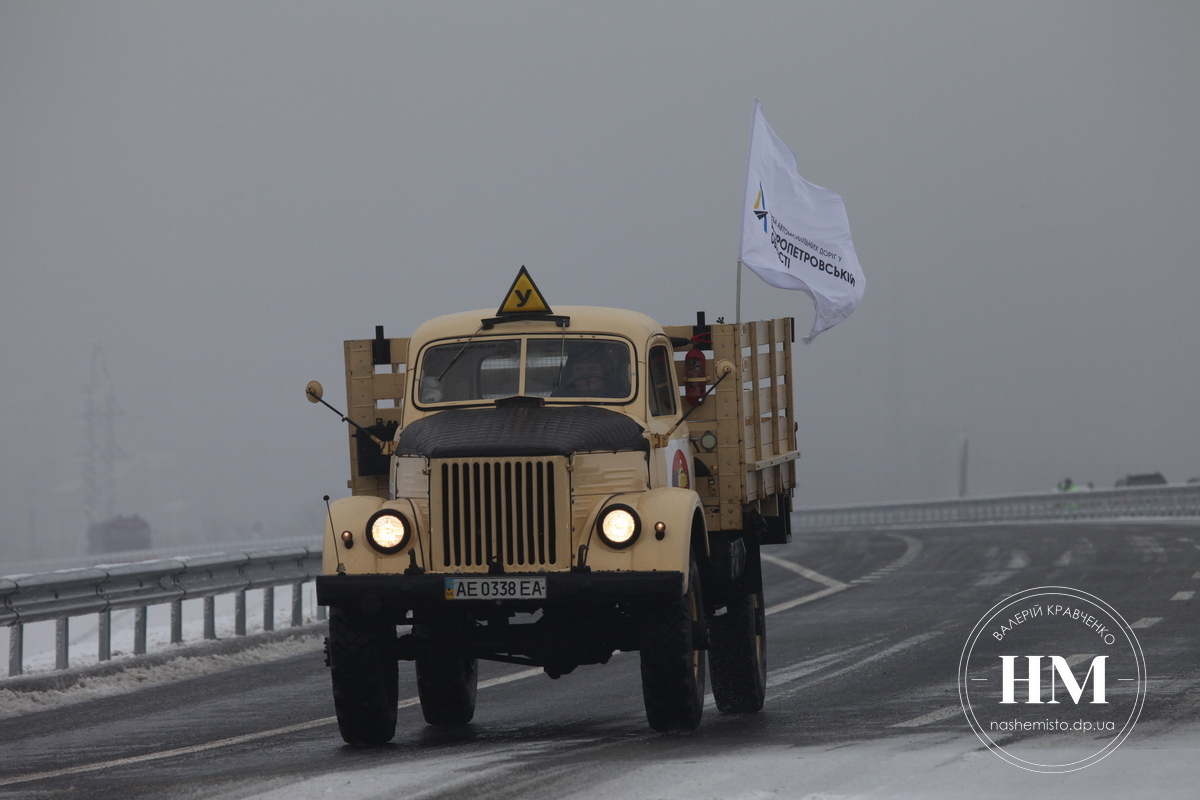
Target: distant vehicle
118	535
1144	479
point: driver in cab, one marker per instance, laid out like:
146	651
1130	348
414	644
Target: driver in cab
592	374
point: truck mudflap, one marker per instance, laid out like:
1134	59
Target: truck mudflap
528	589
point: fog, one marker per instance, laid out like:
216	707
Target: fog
218	194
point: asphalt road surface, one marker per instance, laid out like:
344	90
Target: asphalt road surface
866	630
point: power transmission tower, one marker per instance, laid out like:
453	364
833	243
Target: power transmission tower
99	415
962	470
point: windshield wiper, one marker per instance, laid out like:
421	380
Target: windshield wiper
458	355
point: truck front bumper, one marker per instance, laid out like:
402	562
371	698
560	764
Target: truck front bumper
372	592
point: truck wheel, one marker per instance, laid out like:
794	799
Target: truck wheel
672	669
446	685
365	677
739	656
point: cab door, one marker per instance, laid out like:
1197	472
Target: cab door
672	464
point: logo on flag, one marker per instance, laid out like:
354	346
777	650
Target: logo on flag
760	208
803	240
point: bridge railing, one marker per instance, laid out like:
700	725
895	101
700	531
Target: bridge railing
58	596
1143	502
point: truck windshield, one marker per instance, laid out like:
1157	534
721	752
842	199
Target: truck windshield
577	368
563	368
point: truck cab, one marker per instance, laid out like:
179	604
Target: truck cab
526	488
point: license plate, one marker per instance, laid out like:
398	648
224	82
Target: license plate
528	588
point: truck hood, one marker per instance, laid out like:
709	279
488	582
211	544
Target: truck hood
522	431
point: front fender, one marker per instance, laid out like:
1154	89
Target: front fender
351	514
678	510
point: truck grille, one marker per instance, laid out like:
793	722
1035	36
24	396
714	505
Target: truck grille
516	509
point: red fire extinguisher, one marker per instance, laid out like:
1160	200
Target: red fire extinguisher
695	374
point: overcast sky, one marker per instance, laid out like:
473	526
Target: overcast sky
218	194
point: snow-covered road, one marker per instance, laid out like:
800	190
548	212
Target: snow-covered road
866	638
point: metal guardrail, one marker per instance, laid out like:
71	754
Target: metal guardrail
166	551
100	590
1146	502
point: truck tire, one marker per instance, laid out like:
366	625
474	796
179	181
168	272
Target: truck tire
738	656
365	676
672	668
446	685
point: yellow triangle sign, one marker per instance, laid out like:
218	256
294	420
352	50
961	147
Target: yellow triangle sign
523	297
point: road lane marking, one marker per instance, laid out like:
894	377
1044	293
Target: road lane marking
808	598
232	740
1071	661
1196	576
953	711
912	549
1017	561
832	585
899	647
1184	595
805	572
1149	550
179	751
993	578
515	676
778	677
1146	622
931	717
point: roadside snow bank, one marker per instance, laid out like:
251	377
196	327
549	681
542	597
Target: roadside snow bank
167	668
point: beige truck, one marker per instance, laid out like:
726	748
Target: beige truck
547	488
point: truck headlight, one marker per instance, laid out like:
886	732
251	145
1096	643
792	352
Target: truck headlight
388	531
619	526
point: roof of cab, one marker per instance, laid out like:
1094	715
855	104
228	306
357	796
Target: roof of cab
584	319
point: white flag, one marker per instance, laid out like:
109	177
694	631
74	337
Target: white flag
795	235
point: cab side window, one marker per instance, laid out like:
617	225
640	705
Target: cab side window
663	390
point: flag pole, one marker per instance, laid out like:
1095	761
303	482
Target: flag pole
738	315
737	318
